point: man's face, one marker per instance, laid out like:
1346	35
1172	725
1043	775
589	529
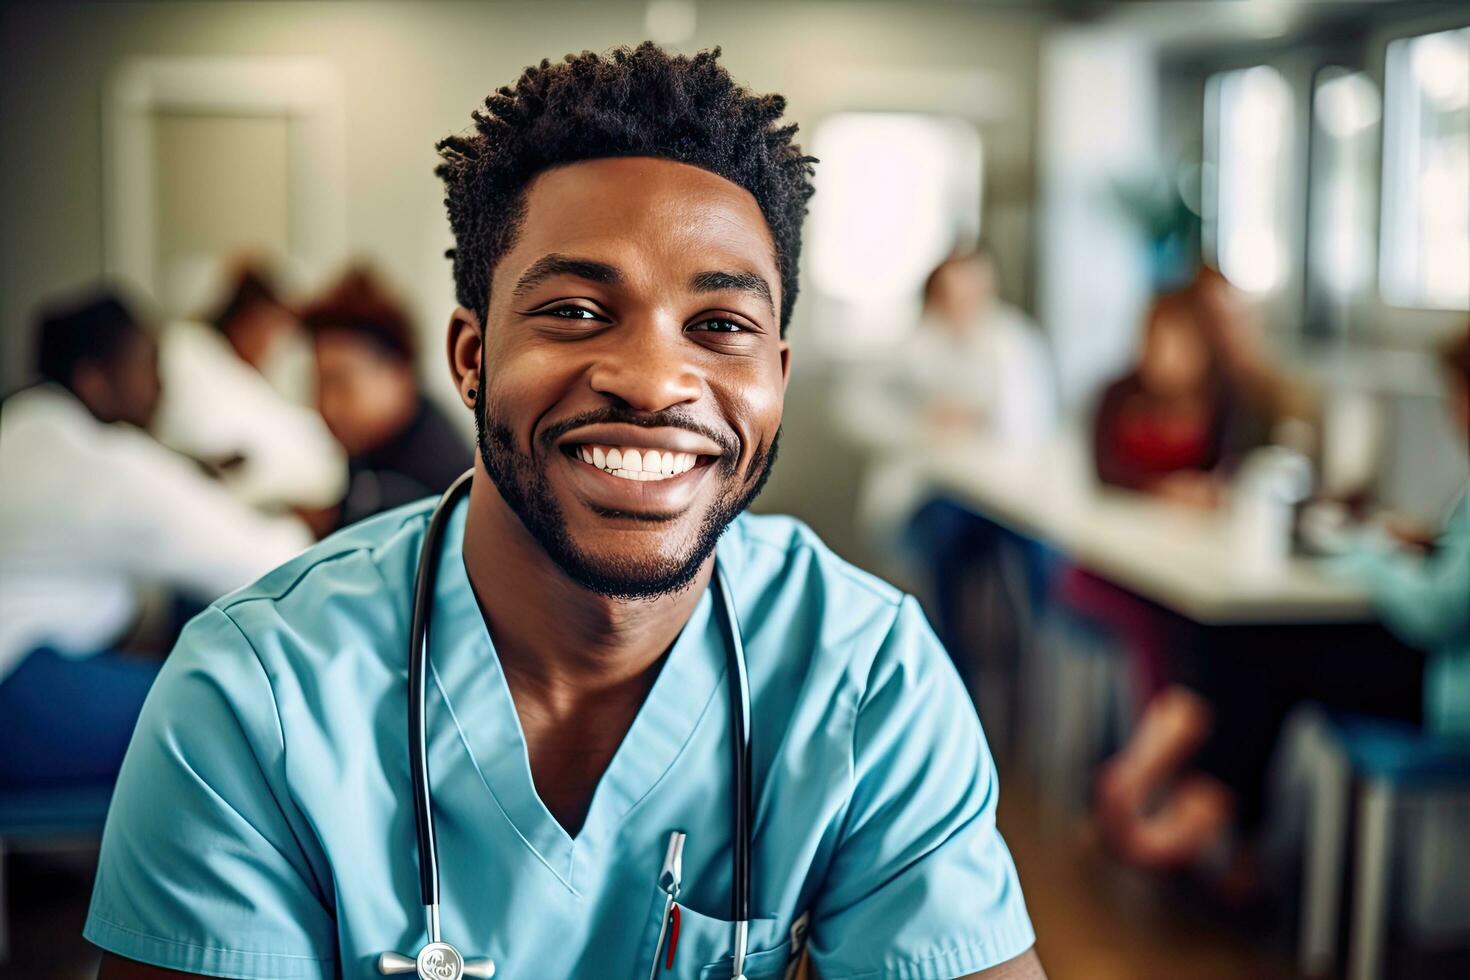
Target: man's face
633	369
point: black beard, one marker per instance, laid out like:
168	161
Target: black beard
527	491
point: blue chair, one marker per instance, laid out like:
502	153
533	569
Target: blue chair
40	819
1392	763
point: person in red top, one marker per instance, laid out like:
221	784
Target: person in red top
1163	427
1200	397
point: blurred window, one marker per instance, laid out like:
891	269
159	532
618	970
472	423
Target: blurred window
1425	245
1345	115
896	194
1248	124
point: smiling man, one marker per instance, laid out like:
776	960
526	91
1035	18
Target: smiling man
662	739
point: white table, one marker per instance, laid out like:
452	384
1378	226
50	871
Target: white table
1178	557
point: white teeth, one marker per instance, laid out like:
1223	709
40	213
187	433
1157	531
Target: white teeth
638	464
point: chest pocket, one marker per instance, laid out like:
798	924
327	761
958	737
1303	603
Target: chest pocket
705	944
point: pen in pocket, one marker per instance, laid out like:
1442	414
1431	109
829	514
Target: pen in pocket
669	878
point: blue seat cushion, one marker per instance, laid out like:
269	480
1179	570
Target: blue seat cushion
1401	753
52	811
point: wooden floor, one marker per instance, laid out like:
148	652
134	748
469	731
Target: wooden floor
1096	920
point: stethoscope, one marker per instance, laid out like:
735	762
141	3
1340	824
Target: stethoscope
439	960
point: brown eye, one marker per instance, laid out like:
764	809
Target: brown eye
718	325
570	313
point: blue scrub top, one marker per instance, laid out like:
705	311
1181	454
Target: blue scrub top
262	825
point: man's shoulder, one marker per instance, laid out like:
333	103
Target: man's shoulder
797	594
361	562
823	626
780	550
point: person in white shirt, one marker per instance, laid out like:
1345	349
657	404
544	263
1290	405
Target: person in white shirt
974	368
92	510
977	363
271	453
263	330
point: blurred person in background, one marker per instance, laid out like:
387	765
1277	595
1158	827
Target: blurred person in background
1420	590
256	321
975	367
1200	397
400	446
1423	596
1188	788
1176	426
92	510
977	363
219	407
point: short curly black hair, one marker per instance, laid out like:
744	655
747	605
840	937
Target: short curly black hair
630	102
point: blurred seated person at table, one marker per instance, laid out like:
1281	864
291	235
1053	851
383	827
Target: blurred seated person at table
974	367
1424	598
257	322
1174	427
400	446
1176	789
976	362
1200	397
219	408
94	511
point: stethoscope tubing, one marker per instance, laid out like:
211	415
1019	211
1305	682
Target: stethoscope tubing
418	680
418	757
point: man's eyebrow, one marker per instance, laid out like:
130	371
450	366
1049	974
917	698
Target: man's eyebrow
556	264
745	282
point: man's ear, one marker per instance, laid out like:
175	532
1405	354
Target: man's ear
785	366
466	348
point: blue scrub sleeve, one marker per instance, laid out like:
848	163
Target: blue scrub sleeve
202	869
1424	601
921	885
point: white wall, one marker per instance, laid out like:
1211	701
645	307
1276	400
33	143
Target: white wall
1099	113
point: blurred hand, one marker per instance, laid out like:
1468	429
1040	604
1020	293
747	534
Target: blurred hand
1406	531
1191	488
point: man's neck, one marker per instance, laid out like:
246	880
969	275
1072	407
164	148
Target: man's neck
560	644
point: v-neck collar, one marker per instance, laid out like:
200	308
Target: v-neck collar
472	682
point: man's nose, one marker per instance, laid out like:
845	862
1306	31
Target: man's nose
650	367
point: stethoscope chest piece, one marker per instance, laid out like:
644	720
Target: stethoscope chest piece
436	961
440	961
